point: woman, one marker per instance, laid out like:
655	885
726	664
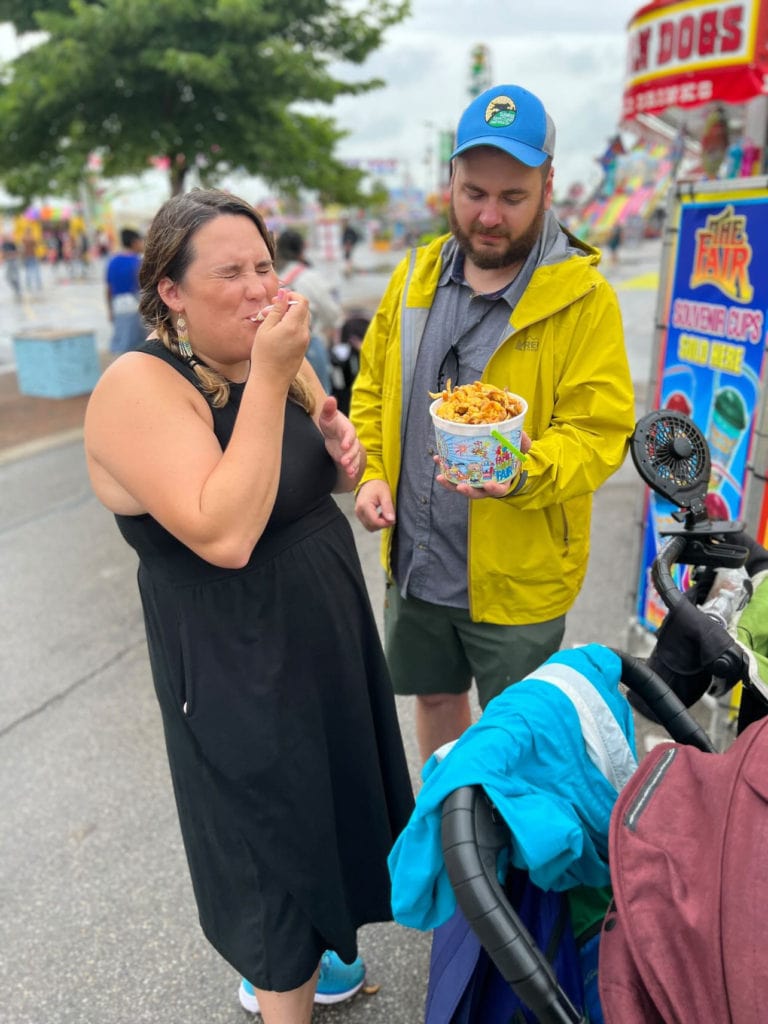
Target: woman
217	450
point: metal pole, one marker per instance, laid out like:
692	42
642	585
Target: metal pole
639	641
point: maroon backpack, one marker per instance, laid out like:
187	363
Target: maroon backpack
687	937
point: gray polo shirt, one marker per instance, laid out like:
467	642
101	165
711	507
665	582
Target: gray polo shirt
462	332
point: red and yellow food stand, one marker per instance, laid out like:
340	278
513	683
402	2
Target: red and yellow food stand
688	60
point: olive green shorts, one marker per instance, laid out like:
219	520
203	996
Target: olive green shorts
435	649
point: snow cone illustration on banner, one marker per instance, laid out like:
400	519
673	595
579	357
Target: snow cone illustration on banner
729	420
678	401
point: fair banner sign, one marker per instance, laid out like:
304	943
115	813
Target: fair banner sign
684	54
711	363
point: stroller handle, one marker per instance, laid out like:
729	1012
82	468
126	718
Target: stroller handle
730	664
664	702
473	835
661	571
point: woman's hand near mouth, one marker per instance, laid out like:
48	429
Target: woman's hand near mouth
282	337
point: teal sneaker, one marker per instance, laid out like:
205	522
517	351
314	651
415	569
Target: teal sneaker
247	996
338	981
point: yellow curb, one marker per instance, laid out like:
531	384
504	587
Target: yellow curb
644	282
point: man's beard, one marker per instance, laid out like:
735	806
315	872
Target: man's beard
516	251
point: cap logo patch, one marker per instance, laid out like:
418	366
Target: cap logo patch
500	112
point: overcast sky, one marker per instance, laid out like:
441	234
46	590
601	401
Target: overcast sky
571	55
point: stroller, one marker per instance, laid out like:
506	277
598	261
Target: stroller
674	945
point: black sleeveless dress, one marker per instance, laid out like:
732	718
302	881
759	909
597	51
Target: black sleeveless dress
282	736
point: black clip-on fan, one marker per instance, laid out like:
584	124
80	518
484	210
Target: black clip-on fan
672	456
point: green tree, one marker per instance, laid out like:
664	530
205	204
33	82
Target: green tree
21	13
216	85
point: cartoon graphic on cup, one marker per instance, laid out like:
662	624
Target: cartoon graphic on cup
472	452
729	420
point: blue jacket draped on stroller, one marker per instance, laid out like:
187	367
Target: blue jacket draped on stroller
551	753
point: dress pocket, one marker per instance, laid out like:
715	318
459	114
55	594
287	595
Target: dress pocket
188	694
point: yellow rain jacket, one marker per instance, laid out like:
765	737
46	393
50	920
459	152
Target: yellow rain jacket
527	553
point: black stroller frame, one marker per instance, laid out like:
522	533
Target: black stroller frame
671	456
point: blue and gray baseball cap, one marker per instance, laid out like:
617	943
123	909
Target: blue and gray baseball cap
511	119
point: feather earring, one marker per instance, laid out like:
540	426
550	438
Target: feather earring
183	339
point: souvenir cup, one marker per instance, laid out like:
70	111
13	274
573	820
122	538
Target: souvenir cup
478	453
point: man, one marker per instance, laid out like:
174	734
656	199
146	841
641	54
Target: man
122	281
480	579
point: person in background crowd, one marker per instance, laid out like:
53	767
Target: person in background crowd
349	239
32	278
11	263
122	280
61	253
297	272
83	246
615	238
102	243
480	578
217	450
345	357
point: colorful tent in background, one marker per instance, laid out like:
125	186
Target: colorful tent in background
51	212
42	220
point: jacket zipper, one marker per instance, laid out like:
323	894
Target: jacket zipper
566	537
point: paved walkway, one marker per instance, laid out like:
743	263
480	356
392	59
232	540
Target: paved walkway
26	422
